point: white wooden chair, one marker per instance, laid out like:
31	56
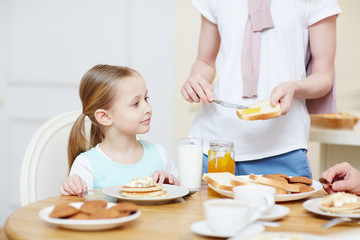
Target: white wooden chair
45	164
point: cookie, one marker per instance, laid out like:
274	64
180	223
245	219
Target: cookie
80	215
105	213
304	188
63	211
278	174
126	207
301	179
90	207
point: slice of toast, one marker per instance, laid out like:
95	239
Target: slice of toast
275	183
223	180
259	111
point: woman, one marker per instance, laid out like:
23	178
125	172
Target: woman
258	48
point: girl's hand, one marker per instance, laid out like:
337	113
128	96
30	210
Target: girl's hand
164	177
73	185
197	88
283	94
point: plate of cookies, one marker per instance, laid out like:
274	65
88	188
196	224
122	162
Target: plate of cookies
90	215
288	188
145	191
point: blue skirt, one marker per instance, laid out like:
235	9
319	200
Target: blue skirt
294	163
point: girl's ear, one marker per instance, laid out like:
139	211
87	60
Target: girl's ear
103	117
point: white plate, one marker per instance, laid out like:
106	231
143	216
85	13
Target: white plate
275	213
304	236
202	228
86	224
173	192
278	197
313	205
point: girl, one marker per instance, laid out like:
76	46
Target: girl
115	100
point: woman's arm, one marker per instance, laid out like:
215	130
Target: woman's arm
198	86
319	82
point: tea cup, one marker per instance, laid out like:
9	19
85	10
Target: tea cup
228	216
262	197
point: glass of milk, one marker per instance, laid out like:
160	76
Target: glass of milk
190	155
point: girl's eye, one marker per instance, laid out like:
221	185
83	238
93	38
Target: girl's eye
136	103
146	99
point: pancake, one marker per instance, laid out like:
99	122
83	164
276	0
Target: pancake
144	187
340	202
144	194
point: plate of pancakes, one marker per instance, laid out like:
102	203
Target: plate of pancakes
90	215
158	194
339	204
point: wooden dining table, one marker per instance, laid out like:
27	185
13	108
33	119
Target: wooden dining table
161	221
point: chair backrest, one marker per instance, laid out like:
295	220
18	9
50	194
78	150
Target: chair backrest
44	165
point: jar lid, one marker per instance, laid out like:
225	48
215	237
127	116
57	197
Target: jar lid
221	143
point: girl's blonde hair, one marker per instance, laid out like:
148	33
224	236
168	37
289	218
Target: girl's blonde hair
96	92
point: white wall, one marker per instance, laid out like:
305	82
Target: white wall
46	47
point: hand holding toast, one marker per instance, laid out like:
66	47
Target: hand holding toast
283	94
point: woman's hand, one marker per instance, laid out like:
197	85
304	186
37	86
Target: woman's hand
164	177
73	185
343	178
197	88
283	94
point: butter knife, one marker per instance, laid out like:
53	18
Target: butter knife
229	105
336	221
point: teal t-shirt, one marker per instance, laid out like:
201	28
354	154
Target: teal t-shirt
108	173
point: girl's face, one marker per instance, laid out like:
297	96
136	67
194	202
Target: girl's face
131	111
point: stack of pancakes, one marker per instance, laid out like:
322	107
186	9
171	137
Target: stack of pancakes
340	202
142	188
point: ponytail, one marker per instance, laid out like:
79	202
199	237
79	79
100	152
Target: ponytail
96	135
78	142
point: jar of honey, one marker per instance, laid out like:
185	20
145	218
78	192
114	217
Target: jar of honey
221	157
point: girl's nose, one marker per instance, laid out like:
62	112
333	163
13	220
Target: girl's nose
148	108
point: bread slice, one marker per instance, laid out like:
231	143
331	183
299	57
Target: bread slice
334	120
223	180
238	181
275	183
259	111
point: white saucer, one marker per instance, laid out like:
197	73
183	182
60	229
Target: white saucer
275	213
202	228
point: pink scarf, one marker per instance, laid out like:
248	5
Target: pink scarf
259	20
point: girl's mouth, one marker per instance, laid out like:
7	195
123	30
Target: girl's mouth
147	121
